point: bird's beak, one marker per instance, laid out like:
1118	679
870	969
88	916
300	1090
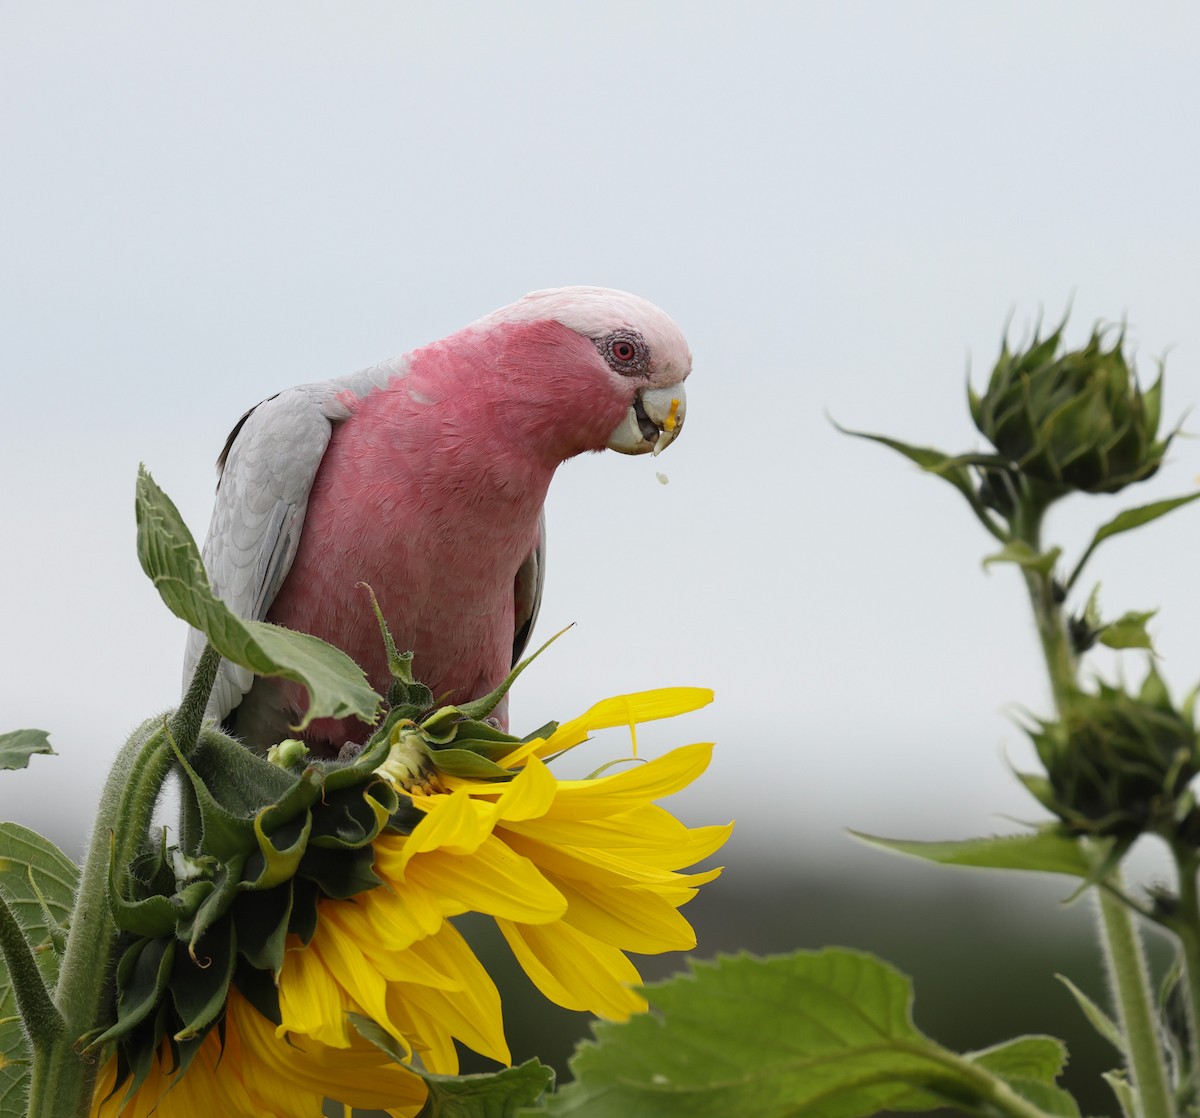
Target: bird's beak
653	421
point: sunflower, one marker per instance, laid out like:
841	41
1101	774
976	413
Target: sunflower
575	872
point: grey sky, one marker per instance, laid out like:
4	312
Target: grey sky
839	203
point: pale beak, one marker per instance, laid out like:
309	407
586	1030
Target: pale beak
652	423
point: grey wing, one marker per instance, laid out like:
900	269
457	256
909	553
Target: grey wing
266	473
527	591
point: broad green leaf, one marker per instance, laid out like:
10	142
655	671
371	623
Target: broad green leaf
1047	850
495	1095
1128	631
1097	1018
38	881
1019	552
1126	521
336	686
825	1034
17	746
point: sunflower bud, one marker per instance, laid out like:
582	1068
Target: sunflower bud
1076	420
1118	764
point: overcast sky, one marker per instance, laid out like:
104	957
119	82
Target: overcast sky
841	205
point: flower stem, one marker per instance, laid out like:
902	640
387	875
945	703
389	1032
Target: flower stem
63	1077
1120	938
1131	987
1186	925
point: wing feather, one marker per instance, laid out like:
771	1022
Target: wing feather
527	592
266	473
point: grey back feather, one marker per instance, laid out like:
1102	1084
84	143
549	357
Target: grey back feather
265	474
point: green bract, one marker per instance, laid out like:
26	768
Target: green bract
1076	420
219	909
1118	764
272	836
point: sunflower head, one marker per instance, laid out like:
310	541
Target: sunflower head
316	894
1119	764
1075	420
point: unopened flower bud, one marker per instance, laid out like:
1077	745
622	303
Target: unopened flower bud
1118	764
1076	420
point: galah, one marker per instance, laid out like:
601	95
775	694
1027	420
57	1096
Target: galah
424	477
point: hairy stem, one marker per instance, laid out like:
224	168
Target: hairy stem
1186	925
1120	938
1131	988
63	1076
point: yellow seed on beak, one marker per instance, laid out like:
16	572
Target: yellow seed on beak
668	428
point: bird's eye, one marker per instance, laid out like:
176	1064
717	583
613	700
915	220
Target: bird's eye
625	351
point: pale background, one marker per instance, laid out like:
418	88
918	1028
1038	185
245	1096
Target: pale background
841	204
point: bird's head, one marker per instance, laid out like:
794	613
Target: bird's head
638	350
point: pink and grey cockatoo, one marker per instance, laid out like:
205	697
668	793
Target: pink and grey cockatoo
424	477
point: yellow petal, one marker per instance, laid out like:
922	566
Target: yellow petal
631	919
310	1001
494	880
647	834
472	1012
361	965
608	795
359	1076
529	794
575	971
451	822
626	710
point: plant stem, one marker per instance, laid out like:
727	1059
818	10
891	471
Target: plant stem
1186	925
62	1081
1131	987
1119	936
1061	661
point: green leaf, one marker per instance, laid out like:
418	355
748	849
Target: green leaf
200	981
1126	521
1049	1100
825	1034
951	468
1047	850
1128	631
1097	1018
1040	1059
1118	1080
38	882
337	687
142	976
495	1095
1019	552
17	746
466	763
1029	1065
